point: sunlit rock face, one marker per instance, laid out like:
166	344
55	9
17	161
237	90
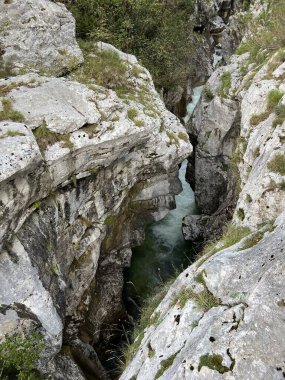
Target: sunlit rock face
82	171
38	35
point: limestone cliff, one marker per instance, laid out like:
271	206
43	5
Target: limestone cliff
82	169
222	318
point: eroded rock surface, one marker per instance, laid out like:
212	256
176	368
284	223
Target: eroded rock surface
39	35
82	171
221	319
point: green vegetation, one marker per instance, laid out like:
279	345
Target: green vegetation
165	364
36	204
232	235
252	240
18	356
173	139
151	351
8	113
277	164
276	61
132	113
6	69
208	94
280	112
183	136
267	31
258	118
46	137
147	318
110	220
205	300
158	33
214	362
139	123
273	98
240	213
225	84
104	66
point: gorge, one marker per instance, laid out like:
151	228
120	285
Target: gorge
89	173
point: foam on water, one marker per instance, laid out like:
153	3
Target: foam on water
194	101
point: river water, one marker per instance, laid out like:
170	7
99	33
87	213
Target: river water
164	250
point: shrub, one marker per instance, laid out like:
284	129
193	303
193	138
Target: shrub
267	31
277	164
157	34
18	356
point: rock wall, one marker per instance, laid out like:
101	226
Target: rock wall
222	318
82	170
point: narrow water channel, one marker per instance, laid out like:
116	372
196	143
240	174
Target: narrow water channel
164	250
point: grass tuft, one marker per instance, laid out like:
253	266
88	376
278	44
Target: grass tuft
45	137
225	84
8	113
277	164
233	234
213	362
165	364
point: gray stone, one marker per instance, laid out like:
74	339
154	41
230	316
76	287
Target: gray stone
39	35
245	330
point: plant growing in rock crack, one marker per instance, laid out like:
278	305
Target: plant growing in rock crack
147	318
225	84
214	362
208	94
165	364
277	164
205	300
232	235
8	113
273	98
45	137
132	113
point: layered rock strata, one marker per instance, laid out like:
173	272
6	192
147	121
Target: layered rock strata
81	172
